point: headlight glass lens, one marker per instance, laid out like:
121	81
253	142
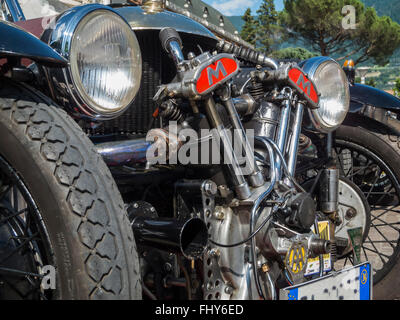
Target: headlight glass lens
332	84
106	63
333	87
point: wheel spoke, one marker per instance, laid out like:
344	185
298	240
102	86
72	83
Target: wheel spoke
380	254
383	236
4	220
365	253
4	270
373	185
389	225
381	214
13	287
26	241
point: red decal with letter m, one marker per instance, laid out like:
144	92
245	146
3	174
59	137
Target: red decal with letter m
304	84
215	74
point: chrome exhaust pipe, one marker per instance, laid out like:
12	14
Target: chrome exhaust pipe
120	153
130	152
186	237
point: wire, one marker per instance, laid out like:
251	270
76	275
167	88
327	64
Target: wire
285	168
245	240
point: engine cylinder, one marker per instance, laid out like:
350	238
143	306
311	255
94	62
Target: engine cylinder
265	120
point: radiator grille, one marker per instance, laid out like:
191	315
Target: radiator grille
138	116
158	68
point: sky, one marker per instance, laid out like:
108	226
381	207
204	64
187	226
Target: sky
238	7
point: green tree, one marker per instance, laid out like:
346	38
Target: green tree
371	82
396	88
249	30
319	24
293	53
268	29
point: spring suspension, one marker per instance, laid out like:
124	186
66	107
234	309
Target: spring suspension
169	110
256	90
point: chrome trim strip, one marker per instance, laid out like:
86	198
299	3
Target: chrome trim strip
15	10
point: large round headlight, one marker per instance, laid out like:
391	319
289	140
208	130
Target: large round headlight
333	87
105	61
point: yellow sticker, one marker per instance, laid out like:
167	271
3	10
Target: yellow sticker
313	263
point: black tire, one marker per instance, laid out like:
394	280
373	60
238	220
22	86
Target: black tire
92	244
380	143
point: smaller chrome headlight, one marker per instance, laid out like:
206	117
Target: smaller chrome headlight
105	60
333	87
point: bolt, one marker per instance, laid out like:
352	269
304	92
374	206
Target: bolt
219	215
228	289
214	253
350	213
167	267
210	188
135	205
265	268
235	203
191	55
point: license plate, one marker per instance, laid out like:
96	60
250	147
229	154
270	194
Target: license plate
348	284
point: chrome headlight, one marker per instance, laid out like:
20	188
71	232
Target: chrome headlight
333	87
105	69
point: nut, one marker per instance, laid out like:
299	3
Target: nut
210	188
265	268
214	253
350	213
228	289
219	215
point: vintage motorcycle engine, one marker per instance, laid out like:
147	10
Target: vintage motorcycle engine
286	240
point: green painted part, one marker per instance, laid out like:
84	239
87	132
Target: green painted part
356	241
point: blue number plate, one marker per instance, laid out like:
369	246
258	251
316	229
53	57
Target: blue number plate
347	284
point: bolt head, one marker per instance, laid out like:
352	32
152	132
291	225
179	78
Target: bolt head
210	188
219	215
228	290
350	213
214	252
191	55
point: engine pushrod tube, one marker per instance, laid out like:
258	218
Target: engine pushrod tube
282	134
255	177
226	149
294	142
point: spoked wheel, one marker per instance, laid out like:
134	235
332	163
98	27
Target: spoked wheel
372	162
24	245
59	208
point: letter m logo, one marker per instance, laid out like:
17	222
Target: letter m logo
211	73
216	73
304	84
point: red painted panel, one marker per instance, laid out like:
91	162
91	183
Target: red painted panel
215	73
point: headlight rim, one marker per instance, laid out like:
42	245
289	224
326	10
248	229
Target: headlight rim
61	39
310	67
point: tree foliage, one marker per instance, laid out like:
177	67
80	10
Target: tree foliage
371	82
396	88
319	24
249	30
268	32
293	54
